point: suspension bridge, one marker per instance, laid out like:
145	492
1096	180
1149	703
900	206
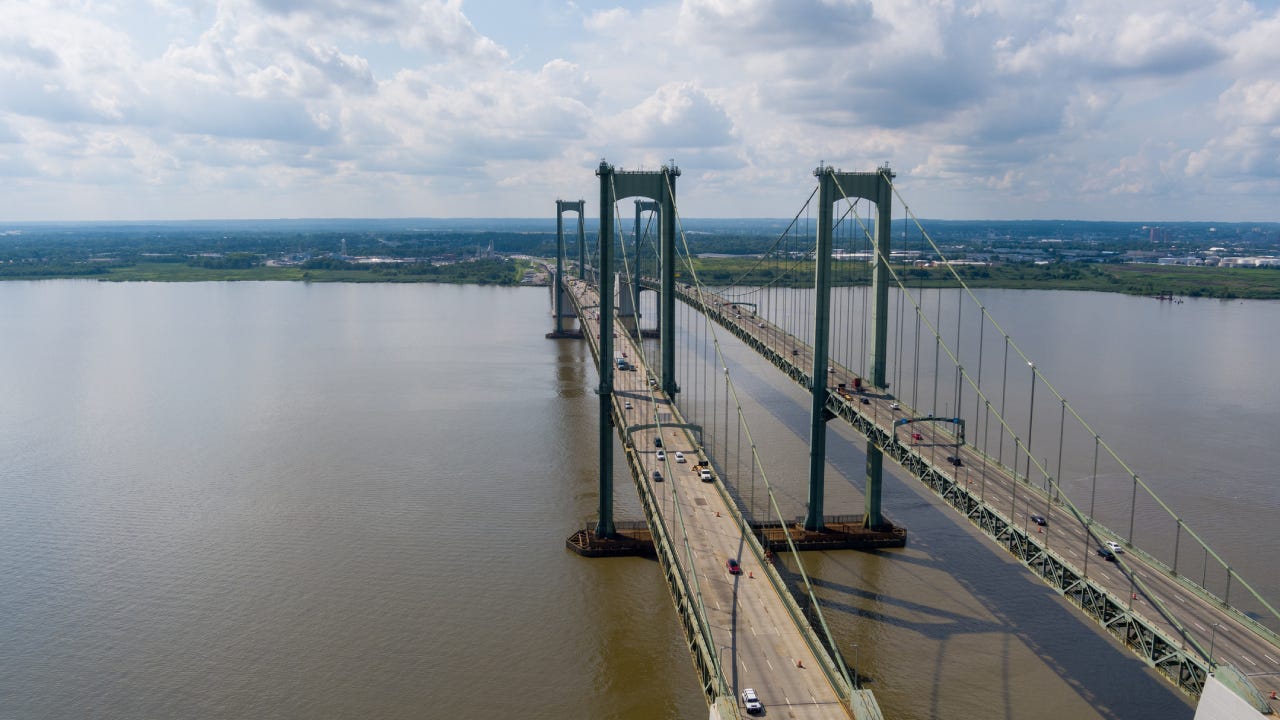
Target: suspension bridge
831	305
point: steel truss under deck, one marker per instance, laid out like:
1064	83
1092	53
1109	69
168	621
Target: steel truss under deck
1146	640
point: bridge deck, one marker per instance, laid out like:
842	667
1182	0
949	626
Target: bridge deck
759	643
1234	642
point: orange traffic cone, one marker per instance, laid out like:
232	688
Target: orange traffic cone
753	577
800	664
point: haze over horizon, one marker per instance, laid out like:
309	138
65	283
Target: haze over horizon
1150	111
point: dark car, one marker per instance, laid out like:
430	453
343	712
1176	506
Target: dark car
657	442
1039	520
657	476
734	567
954	460
1106	554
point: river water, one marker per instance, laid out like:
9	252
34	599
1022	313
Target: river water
286	500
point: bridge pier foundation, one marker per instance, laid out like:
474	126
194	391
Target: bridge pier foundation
839	532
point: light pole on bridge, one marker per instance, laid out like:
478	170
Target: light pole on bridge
855	666
1031	418
1213	635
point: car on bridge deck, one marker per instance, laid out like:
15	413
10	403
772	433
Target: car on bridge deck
734	567
954	460
1106	554
657	476
1039	520
752	701
705	475
679	456
657	442
1114	547
662	455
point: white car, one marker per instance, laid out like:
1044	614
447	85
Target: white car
627	405
705	474
662	455
679	457
752	701
1114	547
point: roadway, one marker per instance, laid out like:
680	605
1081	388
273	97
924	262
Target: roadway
759	644
1232	641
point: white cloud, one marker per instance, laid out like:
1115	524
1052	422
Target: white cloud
1082	108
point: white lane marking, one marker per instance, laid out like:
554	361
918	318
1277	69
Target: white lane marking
1249	660
1198	625
1270	658
766	662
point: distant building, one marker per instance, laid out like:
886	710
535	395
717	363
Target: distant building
1250	262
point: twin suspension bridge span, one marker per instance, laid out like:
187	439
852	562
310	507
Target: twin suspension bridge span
1177	604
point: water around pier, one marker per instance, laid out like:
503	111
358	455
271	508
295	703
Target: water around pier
279	500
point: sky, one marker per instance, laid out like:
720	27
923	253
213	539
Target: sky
1142	110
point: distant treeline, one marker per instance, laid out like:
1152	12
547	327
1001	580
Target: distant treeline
1050	254
62	243
1131	279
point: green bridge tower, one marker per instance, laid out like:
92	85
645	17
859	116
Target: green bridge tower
563	206
615	185
834	186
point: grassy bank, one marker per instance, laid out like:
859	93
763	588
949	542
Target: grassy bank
1252	283
498	271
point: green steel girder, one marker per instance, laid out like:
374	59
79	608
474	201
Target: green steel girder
697	634
1186	671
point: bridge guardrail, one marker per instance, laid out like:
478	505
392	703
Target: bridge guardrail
1183	669
1093	526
